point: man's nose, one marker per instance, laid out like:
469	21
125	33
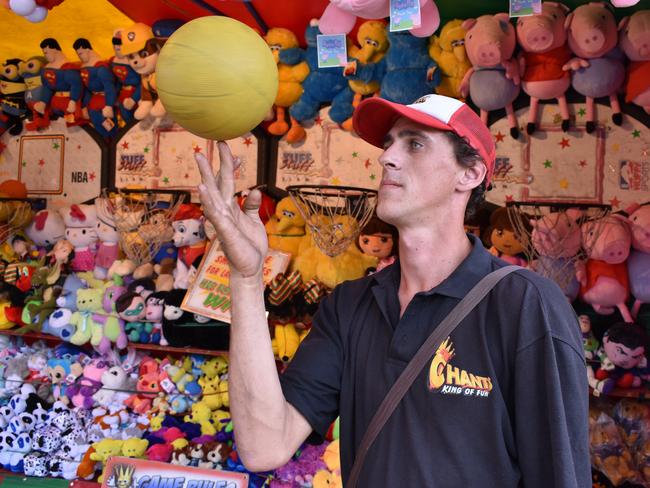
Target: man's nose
386	160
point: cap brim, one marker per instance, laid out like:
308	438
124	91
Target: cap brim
374	117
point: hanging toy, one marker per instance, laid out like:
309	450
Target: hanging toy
634	33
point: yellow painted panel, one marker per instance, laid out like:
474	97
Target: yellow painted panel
96	20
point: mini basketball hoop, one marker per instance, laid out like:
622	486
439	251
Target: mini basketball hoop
143	219
16	214
554	245
334	215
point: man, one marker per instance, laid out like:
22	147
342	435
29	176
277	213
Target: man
504	401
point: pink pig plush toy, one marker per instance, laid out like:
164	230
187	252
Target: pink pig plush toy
634	40
340	16
638	264
604	280
597	70
493	80
544	52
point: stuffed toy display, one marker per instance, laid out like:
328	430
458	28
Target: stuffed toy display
141	48
598	69
286	228
373	40
493	81
543	41
100	95
12	100
632	32
292	71
448	52
62	86
81	232
129	83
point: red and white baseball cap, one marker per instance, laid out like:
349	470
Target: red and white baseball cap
374	117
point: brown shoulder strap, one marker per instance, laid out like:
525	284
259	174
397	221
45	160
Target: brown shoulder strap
413	368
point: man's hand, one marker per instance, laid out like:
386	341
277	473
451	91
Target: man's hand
241	233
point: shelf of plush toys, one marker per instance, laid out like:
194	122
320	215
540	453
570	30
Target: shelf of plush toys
154	348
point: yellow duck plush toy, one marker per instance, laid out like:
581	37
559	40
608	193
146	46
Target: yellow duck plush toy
351	264
292	71
286	228
373	40
448	51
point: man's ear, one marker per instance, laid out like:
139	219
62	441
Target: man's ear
470	178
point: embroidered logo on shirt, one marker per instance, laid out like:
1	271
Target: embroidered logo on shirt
449	380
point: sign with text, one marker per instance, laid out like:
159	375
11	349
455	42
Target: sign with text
122	472
404	15
209	293
523	8
332	50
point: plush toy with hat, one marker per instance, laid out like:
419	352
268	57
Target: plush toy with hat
142	49
128	81
292	71
100	94
340	16
81	231
448	51
493	81
406	65
633	40
542	38
189	238
598	69
62	86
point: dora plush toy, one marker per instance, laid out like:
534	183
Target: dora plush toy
504	239
379	239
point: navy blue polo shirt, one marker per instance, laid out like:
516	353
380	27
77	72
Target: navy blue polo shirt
504	402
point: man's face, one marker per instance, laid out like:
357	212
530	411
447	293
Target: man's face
419	173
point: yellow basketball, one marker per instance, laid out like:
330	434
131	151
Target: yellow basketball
216	77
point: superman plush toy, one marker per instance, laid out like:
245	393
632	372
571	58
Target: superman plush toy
129	83
62	87
100	93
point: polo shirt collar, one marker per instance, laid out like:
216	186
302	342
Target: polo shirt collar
474	267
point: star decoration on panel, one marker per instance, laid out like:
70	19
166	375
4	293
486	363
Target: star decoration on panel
355	154
582	112
636	133
125	145
146	149
548	163
367	163
583	163
41	162
197	149
499	137
165	180
614	202
92	176
373	177
248	141
564	183
564	143
318	120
